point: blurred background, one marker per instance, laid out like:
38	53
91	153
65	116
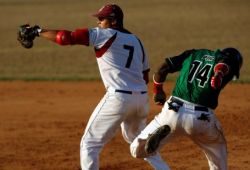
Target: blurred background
165	27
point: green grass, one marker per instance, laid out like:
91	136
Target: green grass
166	28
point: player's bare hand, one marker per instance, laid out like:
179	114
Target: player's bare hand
159	98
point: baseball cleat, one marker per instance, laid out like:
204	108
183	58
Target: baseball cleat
155	138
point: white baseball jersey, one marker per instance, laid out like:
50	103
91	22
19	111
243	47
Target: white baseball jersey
121	59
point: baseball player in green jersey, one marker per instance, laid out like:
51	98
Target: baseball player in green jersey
189	110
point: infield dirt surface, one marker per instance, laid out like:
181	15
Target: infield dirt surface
42	124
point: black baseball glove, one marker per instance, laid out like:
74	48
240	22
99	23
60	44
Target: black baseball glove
26	34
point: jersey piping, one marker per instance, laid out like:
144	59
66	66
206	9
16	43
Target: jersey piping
99	52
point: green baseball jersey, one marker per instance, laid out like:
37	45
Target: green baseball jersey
193	83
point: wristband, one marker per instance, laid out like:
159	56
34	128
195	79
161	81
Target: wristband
157	87
222	68
39	30
155	82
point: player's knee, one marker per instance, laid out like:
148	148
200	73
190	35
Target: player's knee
137	148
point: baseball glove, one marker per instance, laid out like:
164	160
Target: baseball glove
26	34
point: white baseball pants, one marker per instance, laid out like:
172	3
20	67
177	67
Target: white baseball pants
128	111
206	132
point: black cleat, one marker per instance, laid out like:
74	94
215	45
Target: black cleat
155	138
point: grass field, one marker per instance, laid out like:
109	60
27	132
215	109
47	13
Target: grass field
166	27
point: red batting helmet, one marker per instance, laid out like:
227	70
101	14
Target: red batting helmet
110	11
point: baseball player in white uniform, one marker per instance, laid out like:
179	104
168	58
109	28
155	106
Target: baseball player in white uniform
189	110
124	68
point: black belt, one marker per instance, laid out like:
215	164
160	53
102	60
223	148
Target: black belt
197	108
128	92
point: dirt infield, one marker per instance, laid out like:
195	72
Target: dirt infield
42	122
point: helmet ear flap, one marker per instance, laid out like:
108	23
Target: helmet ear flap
236	57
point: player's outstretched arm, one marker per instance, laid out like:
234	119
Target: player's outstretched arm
26	35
